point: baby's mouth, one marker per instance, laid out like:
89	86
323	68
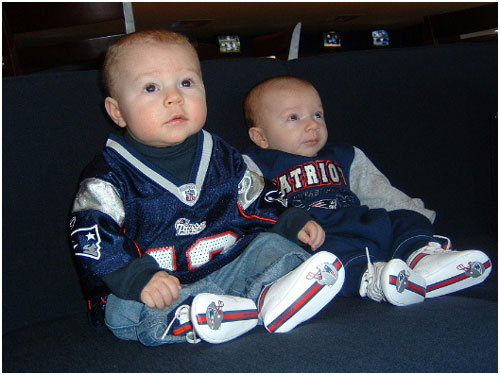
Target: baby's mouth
176	119
312	141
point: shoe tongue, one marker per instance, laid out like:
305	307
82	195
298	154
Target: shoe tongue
183	314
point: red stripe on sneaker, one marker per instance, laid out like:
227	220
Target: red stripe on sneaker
183	329
337	264
412	287
295	307
417	259
417	288
453	279
443	283
263	296
240	315
201	319
231	316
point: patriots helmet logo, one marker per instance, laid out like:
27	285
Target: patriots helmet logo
402	281
473	269
326	274
328	204
86	242
215	315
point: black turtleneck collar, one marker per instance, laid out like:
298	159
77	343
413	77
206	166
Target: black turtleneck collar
176	160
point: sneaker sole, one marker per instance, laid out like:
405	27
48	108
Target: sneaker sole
302	293
464	272
220	318
401	285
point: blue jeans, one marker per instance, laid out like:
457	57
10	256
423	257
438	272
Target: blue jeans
267	258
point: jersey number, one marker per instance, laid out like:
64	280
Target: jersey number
200	253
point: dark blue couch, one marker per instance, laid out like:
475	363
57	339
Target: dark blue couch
426	117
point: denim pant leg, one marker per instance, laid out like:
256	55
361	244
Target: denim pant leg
122	316
267	258
135	321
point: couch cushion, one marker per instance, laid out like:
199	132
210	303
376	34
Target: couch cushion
448	334
53	124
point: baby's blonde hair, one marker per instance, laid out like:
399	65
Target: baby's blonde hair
251	102
115	51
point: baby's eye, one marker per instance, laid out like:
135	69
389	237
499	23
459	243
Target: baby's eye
318	115
150	88
293	118
187	83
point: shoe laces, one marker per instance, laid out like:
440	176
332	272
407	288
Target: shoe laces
448	245
436	247
372	278
182	315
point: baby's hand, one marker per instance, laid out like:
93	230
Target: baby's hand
161	291
312	234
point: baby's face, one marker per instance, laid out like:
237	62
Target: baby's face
291	119
160	93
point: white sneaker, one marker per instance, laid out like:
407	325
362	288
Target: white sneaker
393	282
302	293
447	271
220	318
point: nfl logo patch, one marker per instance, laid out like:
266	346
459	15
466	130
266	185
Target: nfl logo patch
190	195
190	192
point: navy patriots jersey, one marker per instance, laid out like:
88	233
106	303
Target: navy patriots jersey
127	207
346	194
340	176
314	183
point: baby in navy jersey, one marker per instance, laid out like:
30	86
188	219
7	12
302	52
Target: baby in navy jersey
170	231
384	238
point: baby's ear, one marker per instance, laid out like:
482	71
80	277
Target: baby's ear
114	112
258	137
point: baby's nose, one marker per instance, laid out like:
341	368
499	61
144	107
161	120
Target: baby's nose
311	124
173	97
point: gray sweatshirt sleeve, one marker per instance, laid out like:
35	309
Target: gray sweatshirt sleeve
375	191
